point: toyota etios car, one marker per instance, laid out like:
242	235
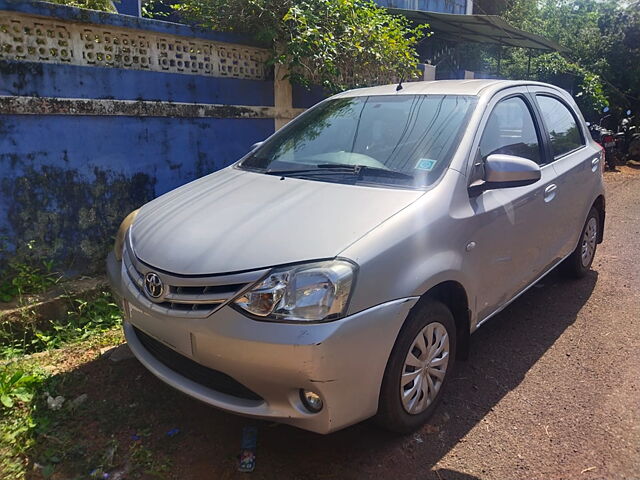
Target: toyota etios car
337	270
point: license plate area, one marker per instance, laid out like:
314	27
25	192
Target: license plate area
173	333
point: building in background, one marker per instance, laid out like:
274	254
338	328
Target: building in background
460	7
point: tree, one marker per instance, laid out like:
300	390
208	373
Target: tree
104	5
333	43
603	43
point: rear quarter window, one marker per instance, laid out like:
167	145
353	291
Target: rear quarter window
564	134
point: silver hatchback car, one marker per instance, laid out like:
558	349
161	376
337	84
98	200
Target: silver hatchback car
337	271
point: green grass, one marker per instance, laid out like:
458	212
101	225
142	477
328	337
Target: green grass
18	391
86	318
25	380
43	359
25	418
77	441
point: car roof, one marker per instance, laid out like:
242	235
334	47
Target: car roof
440	87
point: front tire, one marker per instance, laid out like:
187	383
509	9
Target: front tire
579	262
418	369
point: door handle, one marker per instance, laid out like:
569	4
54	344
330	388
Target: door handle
594	164
550	192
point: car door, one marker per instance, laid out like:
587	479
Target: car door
510	241
575	161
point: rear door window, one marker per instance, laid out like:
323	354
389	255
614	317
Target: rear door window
564	133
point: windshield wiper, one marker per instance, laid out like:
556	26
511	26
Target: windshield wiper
328	168
357	169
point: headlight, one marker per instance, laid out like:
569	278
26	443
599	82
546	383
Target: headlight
118	245
311	292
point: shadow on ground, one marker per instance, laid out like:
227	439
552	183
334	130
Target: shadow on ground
124	423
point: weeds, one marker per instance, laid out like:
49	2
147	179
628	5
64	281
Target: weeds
19	388
86	318
16	387
109	433
22	279
32	409
32	434
147	461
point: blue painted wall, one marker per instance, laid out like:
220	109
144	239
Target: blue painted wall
71	81
66	181
169	150
304	97
129	7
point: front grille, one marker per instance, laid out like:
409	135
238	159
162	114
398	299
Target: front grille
193	296
213	379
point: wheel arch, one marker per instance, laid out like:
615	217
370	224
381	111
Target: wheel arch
599	204
454	296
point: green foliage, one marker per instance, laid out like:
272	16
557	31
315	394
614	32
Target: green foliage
16	387
18	392
603	49
85	319
154	9
589	93
333	43
20	278
104	5
80	440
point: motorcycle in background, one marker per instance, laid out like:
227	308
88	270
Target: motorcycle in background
628	139
606	138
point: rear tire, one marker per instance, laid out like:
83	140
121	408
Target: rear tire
418	368
579	262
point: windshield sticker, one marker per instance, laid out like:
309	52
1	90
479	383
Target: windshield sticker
426	164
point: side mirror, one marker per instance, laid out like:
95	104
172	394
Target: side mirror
506	171
255	145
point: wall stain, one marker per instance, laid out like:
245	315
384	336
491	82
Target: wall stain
21	72
56	207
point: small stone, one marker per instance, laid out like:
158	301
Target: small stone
429	429
79	400
121	352
106	350
55	403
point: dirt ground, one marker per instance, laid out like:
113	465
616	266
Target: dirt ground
551	391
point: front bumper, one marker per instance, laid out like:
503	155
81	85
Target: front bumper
342	361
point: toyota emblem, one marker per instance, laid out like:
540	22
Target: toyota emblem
153	285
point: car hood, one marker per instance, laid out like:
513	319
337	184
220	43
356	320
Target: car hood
234	220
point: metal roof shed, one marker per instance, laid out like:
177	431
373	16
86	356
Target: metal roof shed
489	29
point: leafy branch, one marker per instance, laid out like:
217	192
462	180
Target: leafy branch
333	43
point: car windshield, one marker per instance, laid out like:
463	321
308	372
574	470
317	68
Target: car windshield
397	140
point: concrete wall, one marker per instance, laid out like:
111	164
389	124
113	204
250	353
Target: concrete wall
100	113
